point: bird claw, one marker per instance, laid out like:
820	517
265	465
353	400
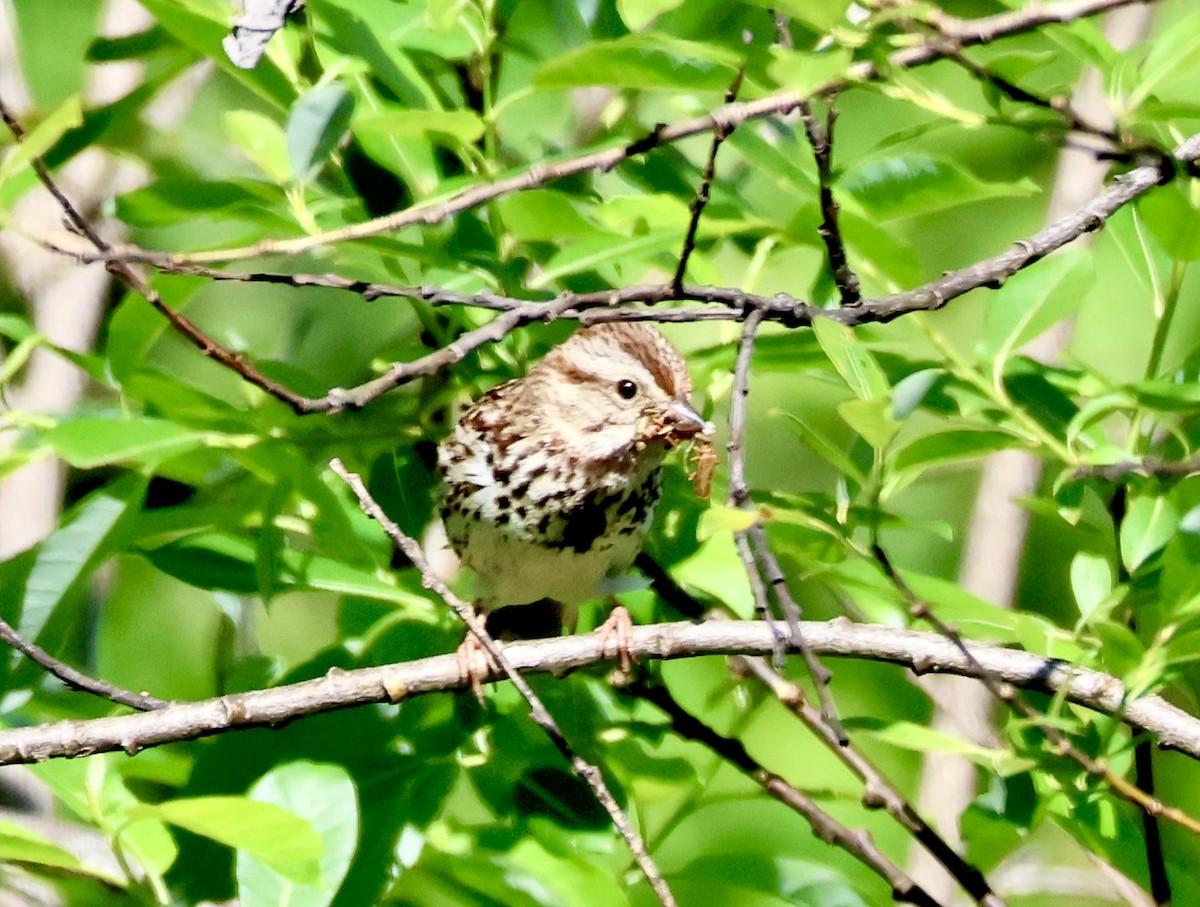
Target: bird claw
619	628
475	663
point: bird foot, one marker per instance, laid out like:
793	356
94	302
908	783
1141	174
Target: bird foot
619	628
474	664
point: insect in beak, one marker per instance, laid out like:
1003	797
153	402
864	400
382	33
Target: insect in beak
687	423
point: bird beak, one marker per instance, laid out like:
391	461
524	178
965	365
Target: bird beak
687	422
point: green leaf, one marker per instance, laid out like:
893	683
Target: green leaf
824	447
637	14
1172	56
724	519
1173	216
1033	300
275	836
850	356
642	62
22	845
315	125
804	71
1149	524
912	184
65	558
951	447
262	141
911	390
88	442
923	739
326	798
872	419
43	137
1091	581
463	126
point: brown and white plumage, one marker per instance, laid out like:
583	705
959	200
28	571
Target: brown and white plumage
551	479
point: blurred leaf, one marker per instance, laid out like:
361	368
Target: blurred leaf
852	359
645	61
42	137
947	447
88	443
261	139
1033	300
464	126
64	560
1091	581
912	184
315	126
724	519
22	845
273	835
324	796
804	72
872	419
825	448
1149	524
1172	214
637	14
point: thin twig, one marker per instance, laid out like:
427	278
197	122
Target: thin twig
752	545
136	281
588	772
820	138
1151	467
961	33
719	134
736	304
143	702
1007	694
858	844
822	677
1058	104
878	791
1143	749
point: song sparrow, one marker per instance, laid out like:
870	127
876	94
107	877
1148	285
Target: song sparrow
551	479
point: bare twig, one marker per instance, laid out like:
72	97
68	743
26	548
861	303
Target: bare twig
1152	467
1058	104
735	304
76	680
752	545
858	844
588	772
1006	693
720	133
134	279
878	791
820	137
961	33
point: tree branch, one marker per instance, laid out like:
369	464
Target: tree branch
960	33
923	652
858	844
590	774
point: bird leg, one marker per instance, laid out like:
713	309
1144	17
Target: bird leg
474	663
618	627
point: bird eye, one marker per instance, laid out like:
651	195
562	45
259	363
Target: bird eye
627	389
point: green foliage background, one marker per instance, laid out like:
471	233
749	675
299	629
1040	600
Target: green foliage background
205	548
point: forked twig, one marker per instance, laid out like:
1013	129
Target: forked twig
858	844
76	680
702	197
590	773
1007	693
